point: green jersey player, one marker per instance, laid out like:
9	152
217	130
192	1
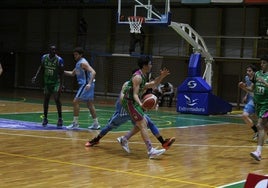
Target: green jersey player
260	89
52	68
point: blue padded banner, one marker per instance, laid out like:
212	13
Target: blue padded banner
194	67
194	84
201	103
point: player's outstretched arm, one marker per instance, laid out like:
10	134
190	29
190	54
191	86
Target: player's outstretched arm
69	73
163	73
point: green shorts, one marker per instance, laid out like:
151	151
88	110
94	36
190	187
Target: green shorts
261	109
51	88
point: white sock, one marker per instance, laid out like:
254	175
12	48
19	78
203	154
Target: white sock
259	149
75	120
96	121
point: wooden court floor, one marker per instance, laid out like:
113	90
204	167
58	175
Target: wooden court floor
211	154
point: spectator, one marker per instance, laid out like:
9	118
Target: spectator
137	38
166	92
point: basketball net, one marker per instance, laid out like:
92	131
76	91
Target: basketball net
135	23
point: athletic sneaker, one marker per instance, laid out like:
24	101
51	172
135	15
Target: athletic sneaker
73	126
255	136
153	153
45	122
168	142
94	126
256	155
60	123
91	143
124	143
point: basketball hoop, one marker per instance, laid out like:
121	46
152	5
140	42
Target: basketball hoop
135	23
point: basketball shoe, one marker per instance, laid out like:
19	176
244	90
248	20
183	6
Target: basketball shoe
45	122
60	123
73	126
256	155
168	142
92	143
124	143
153	153
94	126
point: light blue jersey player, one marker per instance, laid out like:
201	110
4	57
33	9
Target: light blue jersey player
249	109
85	75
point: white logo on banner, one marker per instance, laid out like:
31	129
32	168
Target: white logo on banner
191	105
192	84
189	101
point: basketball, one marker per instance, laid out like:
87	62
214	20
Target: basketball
149	101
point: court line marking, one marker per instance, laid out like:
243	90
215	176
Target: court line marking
166	122
104	169
109	141
19	99
50	111
195	119
175	116
230	184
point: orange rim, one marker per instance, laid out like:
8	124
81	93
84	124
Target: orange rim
132	18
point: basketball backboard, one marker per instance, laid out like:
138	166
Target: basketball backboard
146	9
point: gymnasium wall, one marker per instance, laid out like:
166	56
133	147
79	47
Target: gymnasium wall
234	35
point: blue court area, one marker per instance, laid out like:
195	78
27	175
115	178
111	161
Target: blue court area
163	119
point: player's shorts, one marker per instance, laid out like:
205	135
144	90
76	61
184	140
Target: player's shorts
134	109
249	108
85	95
121	116
51	88
261	110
